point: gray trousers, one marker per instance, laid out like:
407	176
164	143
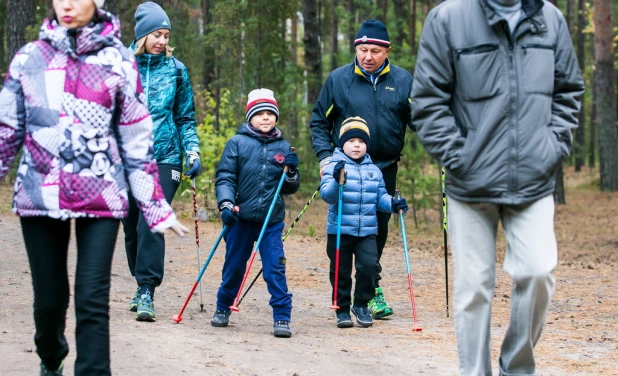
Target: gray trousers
531	256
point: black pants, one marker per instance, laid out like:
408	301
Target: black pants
146	250
47	243
365	260
389	174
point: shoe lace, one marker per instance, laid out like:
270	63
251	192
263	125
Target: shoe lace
146	299
282	323
379	299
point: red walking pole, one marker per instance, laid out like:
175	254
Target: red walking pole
416	328
339	209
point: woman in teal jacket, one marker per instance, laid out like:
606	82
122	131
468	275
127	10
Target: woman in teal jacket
168	94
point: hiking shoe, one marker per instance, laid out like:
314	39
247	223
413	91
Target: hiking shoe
282	329
134	301
378	306
145	308
344	320
47	372
363	317
221	318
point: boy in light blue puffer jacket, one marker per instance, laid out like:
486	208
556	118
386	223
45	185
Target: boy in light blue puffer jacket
364	194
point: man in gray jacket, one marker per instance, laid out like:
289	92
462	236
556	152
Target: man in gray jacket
496	96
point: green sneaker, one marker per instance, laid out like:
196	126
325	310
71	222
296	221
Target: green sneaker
135	301
378	306
145	308
47	372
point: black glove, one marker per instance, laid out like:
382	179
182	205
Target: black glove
291	160
400	204
228	216
337	170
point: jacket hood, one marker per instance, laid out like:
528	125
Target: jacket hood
146	58
247	130
93	37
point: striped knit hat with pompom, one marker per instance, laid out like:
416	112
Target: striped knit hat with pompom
261	100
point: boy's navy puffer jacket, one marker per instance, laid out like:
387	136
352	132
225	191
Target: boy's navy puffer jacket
249	172
364	193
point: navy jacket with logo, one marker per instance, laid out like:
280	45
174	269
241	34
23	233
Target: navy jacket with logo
385	105
249	172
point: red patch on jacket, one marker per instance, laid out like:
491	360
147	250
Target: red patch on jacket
279	157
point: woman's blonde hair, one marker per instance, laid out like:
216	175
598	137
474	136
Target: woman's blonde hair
140	47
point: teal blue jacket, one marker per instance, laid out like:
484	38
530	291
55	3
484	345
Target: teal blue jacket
171	107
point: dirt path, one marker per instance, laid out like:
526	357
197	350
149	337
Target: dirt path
581	335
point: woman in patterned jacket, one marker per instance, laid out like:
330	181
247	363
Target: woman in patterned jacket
74	102
169	98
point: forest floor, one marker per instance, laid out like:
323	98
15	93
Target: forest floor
580	338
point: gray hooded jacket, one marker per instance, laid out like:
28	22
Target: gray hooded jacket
496	108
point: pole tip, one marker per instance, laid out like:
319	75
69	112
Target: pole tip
234	308
177	318
417	329
334	306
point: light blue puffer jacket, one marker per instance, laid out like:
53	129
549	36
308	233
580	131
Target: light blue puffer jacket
364	193
171	107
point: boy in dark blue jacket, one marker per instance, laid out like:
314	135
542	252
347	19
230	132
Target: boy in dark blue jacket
247	176
364	194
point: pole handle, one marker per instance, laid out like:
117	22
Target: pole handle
398	197
342	176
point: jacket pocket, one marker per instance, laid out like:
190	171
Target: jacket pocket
538	68
478	71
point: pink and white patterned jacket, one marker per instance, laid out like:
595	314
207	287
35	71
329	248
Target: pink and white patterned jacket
74	101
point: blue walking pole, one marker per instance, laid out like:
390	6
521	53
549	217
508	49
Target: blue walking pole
178	318
339	209
416	328
234	307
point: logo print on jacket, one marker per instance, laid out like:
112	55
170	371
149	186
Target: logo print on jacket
175	175
279	157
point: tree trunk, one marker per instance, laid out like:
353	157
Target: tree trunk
313	60
400	14
382	6
208	70
570	16
412	26
3	63
555	2
352	25
19	15
605	81
294	37
334	37
580	138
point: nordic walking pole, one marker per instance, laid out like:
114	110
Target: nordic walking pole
445	229
234	307
415	328
178	318
285	236
339	209
197	239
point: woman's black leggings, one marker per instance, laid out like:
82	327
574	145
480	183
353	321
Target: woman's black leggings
47	243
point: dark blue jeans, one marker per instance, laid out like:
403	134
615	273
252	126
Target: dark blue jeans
146	250
239	242
47	243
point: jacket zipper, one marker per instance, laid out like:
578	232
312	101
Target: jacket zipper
262	181
148	81
479	49
377	111
525	47
513	76
360	207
